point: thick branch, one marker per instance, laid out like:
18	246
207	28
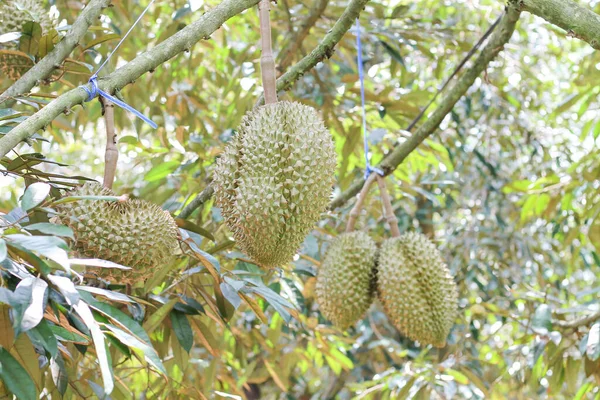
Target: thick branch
578	21
44	68
293	43
497	41
181	41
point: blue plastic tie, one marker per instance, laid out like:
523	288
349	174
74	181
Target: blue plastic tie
361	76
96	91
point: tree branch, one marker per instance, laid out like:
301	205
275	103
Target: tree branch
576	323
578	21
293	43
497	41
44	68
324	49
179	42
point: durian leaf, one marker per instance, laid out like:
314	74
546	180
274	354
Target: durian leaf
255	307
158	316
183	330
150	354
34	195
15	378
96	262
50	247
66	287
51	229
59	373
3	250
31	34
99	343
35	310
72	199
206	337
542	318
230	294
190	226
109	294
593	342
161	171
276	301
47	43
43	336
210	262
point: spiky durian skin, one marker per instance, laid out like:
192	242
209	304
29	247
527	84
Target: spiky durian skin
133	233
14	13
416	289
346	279
274	180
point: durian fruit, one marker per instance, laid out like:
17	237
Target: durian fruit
14	13
134	233
416	289
274	180
346	279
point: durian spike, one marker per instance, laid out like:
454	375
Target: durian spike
388	211
359	202
111	155
267	62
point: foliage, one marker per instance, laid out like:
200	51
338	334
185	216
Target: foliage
507	188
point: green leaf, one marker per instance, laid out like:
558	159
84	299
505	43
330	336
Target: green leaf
161	171
149	353
34	195
542	318
35	310
47	42
230	294
159	315
48	246
15	378
182	329
51	229
190	226
3	250
66	287
101	39
59	373
43	336
31	33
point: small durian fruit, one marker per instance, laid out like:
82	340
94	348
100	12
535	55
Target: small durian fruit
416	289
134	233
274	179
15	13
346	279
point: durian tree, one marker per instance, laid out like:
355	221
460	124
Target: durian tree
242	253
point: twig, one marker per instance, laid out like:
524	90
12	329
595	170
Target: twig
496	43
267	62
202	198
150	60
576	323
359	202
47	65
111	155
388	210
294	41
324	50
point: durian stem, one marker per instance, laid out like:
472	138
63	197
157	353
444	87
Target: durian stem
111	155
267	62
359	202
388	210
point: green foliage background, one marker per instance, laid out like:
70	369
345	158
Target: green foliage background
508	188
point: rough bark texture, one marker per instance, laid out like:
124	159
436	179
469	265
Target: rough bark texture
578	21
181	41
496	43
44	68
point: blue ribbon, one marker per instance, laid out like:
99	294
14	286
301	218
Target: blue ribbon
93	81
361	75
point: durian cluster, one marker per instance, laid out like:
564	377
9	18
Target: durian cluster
274	180
408	276
134	233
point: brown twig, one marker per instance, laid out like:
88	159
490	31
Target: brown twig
293	43
359	202
388	210
111	155
267	62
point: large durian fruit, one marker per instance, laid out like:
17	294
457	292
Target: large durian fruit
274	180
416	289
346	279
134	233
15	13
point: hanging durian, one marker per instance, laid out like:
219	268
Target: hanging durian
15	13
346	279
274	180
416	288
133	233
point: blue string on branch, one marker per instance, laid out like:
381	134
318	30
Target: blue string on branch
361	76
93	81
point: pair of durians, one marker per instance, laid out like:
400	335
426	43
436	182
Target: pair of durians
408	276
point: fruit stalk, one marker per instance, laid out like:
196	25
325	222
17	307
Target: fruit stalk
359	202
267	62
388	211
111	155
